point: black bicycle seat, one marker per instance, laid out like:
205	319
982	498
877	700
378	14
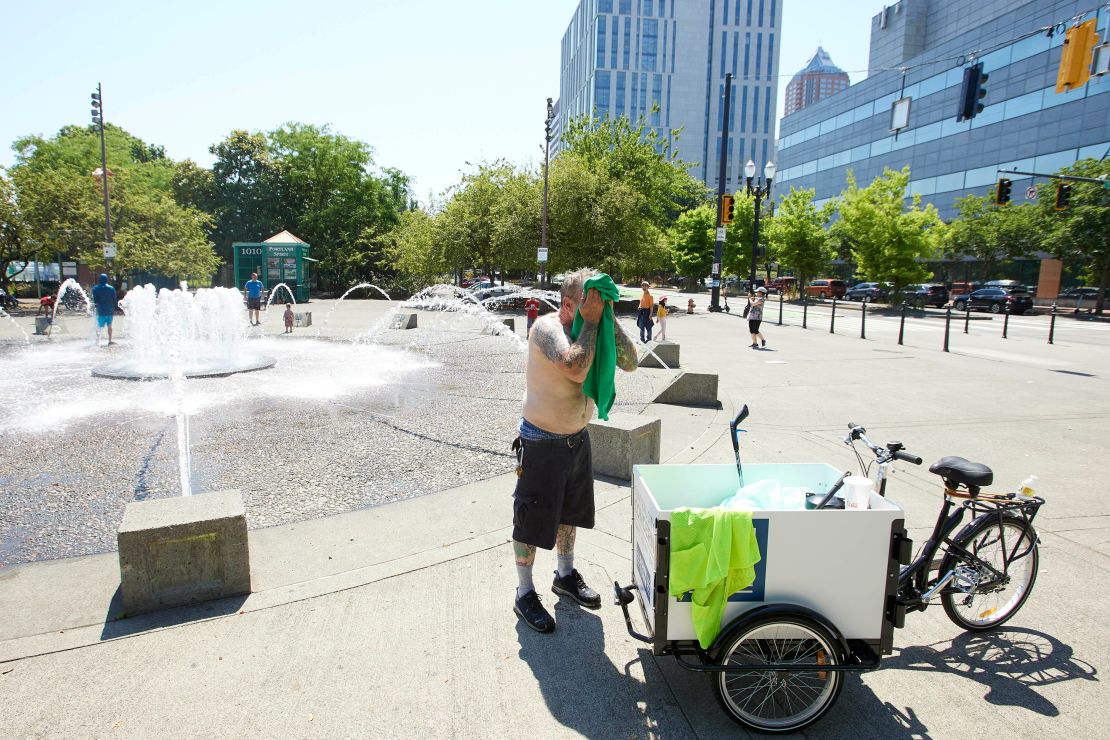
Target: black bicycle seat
959	470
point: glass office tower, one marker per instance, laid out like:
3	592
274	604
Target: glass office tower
624	57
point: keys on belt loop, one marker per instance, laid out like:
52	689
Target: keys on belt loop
518	448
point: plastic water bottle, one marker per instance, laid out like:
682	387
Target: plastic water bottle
1028	486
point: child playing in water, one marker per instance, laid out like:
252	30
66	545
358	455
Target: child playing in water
288	315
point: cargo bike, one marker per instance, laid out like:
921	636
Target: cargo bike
832	584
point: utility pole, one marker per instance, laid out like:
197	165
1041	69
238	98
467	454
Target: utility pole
546	161
98	121
719	247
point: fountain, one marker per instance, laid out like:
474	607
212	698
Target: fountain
197	334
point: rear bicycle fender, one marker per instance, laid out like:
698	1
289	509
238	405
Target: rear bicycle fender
775	610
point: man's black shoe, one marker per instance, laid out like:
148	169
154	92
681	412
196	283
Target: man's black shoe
529	608
574	587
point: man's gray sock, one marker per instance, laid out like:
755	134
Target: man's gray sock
565	565
524	580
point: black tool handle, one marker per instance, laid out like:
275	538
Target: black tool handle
832	491
732	425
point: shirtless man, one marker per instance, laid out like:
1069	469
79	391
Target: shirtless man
555	491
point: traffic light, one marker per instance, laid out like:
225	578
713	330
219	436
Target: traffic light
1063	196
97	116
1075	60
972	92
728	209
1002	192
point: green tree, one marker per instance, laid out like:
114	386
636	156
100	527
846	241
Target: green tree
243	190
693	240
991	234
15	246
1080	234
798	235
887	240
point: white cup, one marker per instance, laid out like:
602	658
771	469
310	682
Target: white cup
857	492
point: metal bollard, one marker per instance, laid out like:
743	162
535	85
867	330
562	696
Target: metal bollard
1052	324
902	324
780	306
947	325
967	313
863	320
1006	322
832	321
805	310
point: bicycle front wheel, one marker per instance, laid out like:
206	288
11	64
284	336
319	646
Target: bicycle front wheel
779	700
981	597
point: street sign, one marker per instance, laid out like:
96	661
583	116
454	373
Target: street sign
1030	193
720	233
110	250
69	269
716	268
541	254
714	283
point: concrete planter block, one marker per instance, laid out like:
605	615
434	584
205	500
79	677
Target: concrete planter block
691	389
404	321
302	319
623	441
492	328
183	550
668	353
42	323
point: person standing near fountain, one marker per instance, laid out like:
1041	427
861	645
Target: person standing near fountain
253	289
104	297
555	487
288	316
532	311
643	313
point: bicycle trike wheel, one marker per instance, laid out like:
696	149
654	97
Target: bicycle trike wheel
779	700
1008	544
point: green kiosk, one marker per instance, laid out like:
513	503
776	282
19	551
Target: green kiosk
283	258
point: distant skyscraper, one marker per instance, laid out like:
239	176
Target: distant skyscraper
819	79
621	57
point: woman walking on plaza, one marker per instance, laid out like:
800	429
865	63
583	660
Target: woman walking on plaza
661	314
643	313
755	316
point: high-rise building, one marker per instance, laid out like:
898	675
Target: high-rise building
819	79
919	51
665	61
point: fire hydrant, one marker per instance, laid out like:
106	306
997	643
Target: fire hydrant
690	306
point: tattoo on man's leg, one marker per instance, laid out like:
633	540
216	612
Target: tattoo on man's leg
525	554
564	539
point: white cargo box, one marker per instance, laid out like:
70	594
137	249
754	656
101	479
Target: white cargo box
835	562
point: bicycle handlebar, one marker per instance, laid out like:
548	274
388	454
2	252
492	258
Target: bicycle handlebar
893	450
907	457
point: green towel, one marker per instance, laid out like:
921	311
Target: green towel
600	382
713	554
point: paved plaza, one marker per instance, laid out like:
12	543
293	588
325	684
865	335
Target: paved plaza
391	616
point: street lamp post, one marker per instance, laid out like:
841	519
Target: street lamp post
759	192
546	161
719	245
97	103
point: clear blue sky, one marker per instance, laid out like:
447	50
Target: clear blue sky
430	85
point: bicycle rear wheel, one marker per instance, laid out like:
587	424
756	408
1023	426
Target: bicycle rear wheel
1009	545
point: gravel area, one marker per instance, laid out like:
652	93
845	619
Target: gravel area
335	426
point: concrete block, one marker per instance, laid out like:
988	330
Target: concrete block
491	328
42	323
667	352
691	389
623	441
404	321
302	319
183	550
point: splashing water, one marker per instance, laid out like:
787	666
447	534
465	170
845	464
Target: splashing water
339	300
274	294
4	314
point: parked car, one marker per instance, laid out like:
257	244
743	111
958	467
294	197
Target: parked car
1013	285
995	300
785	284
827	288
961	287
495	291
480	285
1087	294
927	294
868	292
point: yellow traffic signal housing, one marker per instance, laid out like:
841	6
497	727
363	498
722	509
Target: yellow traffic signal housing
1002	192
728	208
1075	62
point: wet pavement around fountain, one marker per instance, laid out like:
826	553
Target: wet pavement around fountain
342	421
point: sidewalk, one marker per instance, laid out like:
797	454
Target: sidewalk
396	621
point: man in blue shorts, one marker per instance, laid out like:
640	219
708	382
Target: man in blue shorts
104	298
555	491
254	299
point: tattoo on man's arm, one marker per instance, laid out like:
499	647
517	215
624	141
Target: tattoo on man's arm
552	344
627	357
581	353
